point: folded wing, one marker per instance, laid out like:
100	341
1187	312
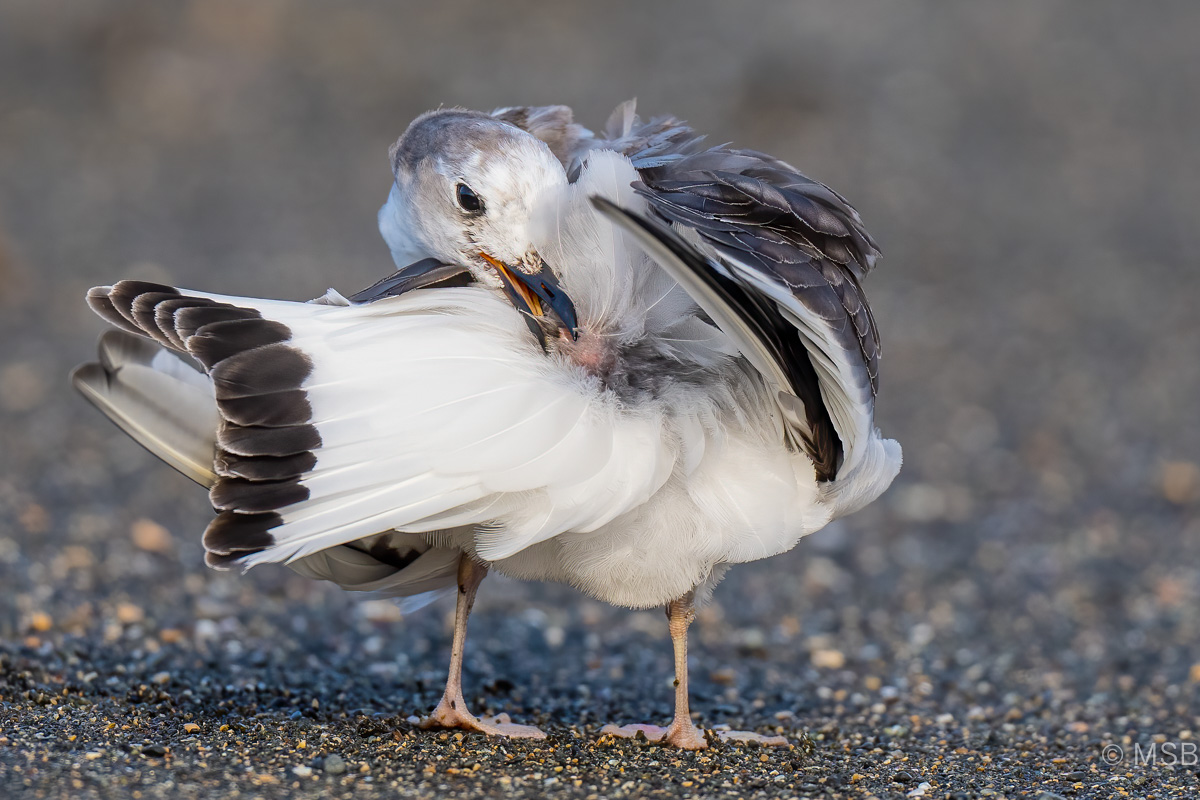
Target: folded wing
777	260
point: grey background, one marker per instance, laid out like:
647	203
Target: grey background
1031	172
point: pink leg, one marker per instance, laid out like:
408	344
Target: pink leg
452	711
682	732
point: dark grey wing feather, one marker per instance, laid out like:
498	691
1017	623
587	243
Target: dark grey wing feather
655	142
796	233
424	274
767	339
789	255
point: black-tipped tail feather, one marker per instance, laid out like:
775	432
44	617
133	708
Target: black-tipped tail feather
233	535
216	391
259	439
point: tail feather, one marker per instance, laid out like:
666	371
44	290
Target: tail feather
210	389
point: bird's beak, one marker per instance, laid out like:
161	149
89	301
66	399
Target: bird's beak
538	295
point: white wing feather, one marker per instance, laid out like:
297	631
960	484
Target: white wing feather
438	408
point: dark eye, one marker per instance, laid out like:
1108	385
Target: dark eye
467	200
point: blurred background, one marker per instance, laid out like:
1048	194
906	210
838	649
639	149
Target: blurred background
1029	168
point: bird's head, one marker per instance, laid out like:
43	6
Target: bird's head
465	190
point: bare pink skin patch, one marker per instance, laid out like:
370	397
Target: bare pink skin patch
591	351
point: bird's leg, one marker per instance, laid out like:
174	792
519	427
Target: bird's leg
452	711
682	732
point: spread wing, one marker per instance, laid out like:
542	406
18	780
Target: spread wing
162	398
419	412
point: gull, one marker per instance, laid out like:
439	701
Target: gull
624	361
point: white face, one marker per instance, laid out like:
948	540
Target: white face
466	186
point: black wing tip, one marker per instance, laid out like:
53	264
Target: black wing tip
266	369
131	288
273	410
99	301
214	342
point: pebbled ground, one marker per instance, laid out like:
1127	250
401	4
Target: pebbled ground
1017	617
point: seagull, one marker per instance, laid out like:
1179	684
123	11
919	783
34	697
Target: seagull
623	361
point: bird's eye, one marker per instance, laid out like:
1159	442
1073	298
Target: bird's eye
467	199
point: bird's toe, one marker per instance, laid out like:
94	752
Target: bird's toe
501	725
685	737
651	733
454	715
751	737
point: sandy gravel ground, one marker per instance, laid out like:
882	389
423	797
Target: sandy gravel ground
1018	617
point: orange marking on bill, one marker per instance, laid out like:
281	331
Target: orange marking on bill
532	300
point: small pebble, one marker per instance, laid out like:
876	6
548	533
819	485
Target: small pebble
828	659
128	613
149	535
726	676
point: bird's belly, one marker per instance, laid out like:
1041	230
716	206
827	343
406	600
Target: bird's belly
744	501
